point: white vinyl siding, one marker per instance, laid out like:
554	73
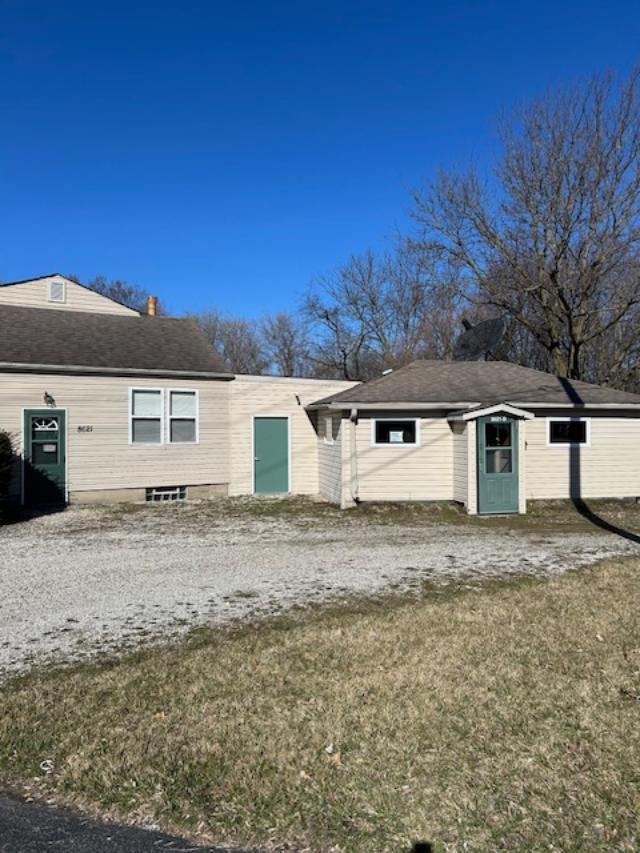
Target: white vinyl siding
103	458
330	458
37	294
609	467
460	461
404	472
264	396
329	428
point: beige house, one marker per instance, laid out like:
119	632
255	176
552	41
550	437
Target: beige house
107	404
489	435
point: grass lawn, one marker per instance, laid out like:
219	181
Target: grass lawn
305	513
503	718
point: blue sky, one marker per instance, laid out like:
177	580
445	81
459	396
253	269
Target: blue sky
224	154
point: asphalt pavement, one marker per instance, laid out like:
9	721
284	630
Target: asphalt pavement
29	827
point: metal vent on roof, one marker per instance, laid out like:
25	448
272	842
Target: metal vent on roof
56	291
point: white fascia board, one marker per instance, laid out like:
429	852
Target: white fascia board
347	406
391	406
490	410
581	405
294	380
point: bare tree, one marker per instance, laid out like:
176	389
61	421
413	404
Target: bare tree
375	312
286	344
556	245
340	334
122	291
237	341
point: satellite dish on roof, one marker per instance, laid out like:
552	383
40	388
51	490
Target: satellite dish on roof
479	342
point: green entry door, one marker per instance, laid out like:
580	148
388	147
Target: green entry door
271	455
497	464
44	456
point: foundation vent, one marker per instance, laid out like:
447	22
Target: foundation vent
163	494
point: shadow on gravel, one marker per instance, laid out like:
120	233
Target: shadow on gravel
38	828
587	513
18	515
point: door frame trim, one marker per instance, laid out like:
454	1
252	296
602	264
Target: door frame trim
515	446
255	418
23	411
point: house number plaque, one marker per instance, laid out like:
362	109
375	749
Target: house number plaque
85	428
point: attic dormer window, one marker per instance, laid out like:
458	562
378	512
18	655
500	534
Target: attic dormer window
57	291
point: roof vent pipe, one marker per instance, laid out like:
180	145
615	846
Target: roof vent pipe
152	305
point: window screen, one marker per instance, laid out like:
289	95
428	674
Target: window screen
146	416
147	404
395	432
567	432
498	447
183	416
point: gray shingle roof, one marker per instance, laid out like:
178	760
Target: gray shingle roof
480	382
46	336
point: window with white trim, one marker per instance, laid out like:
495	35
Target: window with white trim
183	417
57	291
161	415
568	432
396	432
146	416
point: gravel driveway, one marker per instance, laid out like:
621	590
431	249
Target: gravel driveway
91	578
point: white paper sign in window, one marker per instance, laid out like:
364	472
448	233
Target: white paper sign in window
401	431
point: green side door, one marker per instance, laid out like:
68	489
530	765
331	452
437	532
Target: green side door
497	464
44	457
271	456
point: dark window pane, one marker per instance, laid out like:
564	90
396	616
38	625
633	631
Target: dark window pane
183	430
44	454
498	435
395	432
145	431
568	432
499	461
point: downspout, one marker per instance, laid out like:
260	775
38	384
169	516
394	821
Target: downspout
355	486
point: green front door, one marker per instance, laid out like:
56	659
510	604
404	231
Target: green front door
271	455
44	456
497	464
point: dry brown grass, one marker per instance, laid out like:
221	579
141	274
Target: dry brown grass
305	513
506	718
